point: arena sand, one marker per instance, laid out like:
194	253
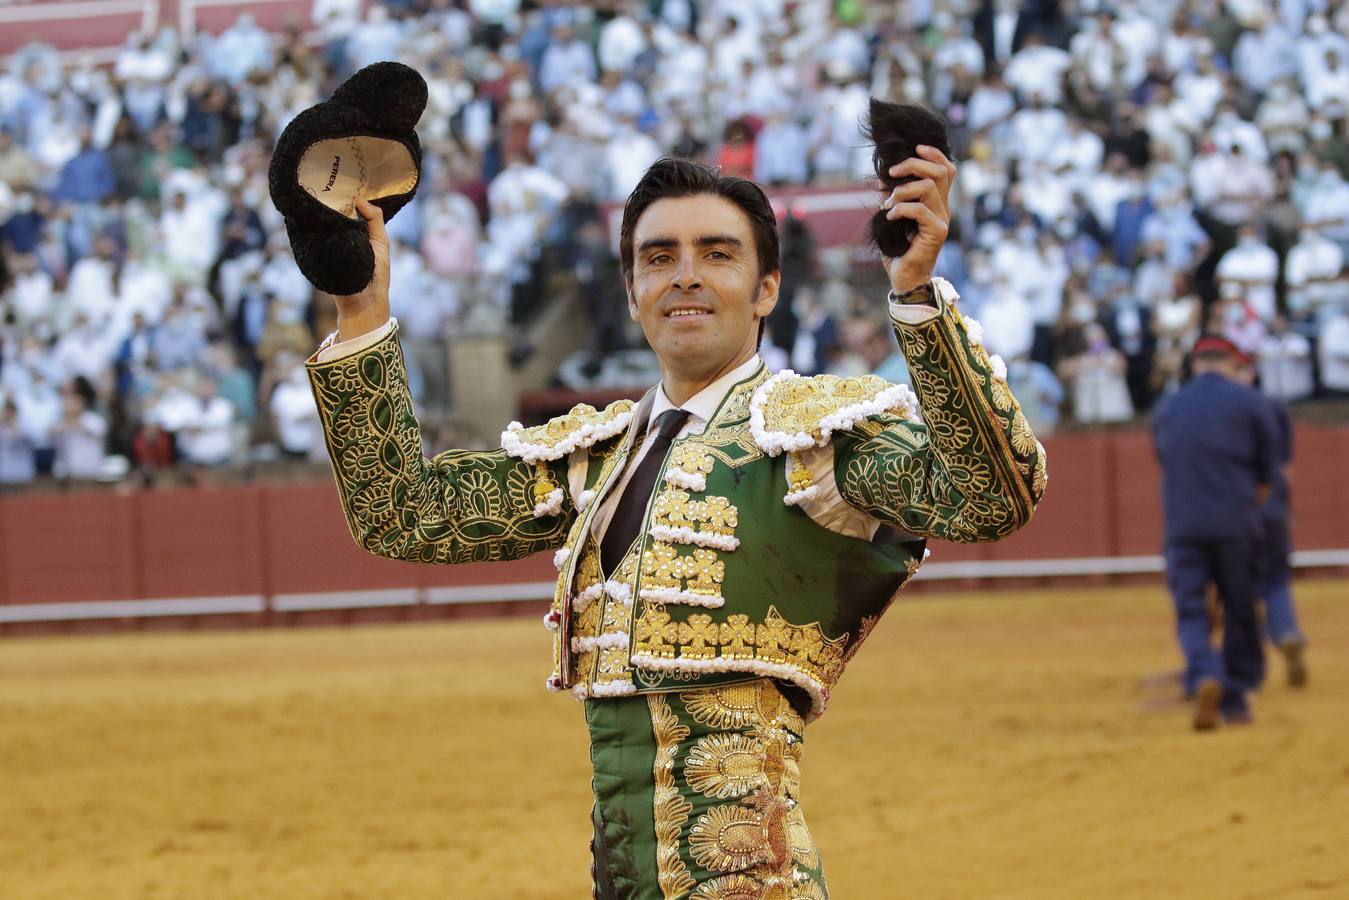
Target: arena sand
978	747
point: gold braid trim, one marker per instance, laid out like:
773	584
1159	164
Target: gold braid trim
670	807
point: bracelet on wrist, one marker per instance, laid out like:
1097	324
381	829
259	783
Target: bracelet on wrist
923	293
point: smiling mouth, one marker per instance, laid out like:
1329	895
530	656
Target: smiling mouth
686	311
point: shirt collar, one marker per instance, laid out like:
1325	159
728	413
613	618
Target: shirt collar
703	405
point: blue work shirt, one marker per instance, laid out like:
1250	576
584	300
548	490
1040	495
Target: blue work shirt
1218	442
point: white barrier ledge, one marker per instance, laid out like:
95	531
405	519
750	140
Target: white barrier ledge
526	591
132	609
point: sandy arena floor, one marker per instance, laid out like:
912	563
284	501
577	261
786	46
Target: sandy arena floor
978	747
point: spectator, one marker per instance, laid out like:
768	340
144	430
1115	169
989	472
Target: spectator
78	438
1099	390
1284	361
1251	267
88	176
1312	273
295	420
1333	348
18	453
206	434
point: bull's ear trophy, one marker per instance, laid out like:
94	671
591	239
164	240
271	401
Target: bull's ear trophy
896	130
360	143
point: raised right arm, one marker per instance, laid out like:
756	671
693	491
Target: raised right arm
458	506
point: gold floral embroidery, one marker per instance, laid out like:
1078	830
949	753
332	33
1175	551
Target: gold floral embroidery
725	765
798	405
725	706
969	476
729	887
776	641
764	837
799	837
728	839
703	572
661	566
458	507
672	508
692	459
670	808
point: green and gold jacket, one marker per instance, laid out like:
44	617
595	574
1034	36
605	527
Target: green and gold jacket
771	545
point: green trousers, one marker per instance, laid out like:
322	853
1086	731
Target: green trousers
696	796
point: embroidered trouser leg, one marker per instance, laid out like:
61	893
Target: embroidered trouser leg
696	796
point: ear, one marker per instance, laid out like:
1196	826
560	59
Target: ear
632	302
768	294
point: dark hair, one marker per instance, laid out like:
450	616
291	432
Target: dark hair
896	130
685	178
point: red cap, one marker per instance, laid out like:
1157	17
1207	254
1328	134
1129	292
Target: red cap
1216	343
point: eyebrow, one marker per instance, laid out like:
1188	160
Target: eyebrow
706	240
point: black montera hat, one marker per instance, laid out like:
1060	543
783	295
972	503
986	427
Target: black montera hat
360	143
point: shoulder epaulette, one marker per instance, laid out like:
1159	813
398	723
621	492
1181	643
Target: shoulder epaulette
581	427
791	412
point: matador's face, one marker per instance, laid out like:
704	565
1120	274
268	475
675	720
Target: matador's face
696	288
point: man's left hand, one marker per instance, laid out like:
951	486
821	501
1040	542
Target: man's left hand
925	201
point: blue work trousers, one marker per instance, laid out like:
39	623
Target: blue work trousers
1233	566
1275	583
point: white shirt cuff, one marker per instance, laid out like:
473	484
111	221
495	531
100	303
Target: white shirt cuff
332	349
913	313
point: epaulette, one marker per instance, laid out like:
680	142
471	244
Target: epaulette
790	413
581	427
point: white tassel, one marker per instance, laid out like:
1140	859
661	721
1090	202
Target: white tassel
997	367
683	534
689	481
584	436
974	331
612	641
587	597
684	598
584	500
551	506
819	694
796	498
560	558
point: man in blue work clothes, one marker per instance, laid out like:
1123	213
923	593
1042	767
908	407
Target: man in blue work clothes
1274	584
1218	444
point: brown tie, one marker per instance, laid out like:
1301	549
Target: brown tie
631	509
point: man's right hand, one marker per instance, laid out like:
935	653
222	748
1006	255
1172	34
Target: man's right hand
362	313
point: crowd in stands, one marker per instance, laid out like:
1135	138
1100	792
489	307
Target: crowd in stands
1132	172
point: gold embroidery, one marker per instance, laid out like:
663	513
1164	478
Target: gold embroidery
757	842
729	887
656	634
728	839
799	404
661	566
670	808
799	478
725	765
1041	477
672	508
802	647
692	459
726	706
802	844
717	515
698	637
703	572
569	427
458	507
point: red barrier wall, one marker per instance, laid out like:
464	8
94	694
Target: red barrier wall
1103	500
